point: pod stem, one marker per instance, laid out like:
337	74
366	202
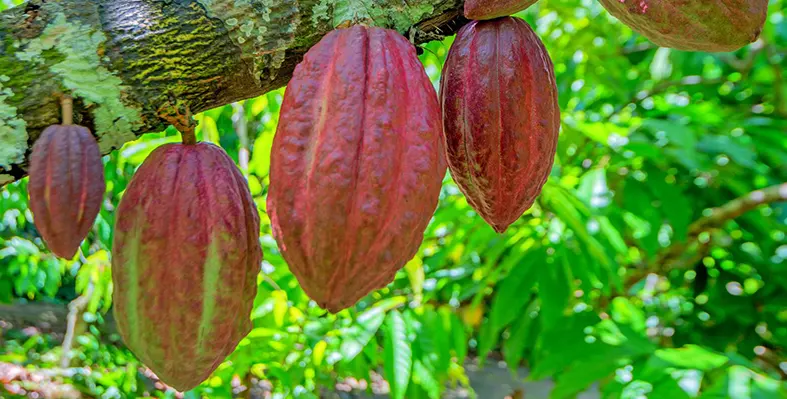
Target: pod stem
67	110
187	130
179	116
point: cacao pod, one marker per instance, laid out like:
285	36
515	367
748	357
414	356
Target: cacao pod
66	186
489	9
186	256
500	117
356	165
697	25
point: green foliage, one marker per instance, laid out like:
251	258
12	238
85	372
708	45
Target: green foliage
652	139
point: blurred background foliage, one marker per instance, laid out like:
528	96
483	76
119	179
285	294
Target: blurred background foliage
621	276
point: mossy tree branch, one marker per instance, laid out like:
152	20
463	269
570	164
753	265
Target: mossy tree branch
129	63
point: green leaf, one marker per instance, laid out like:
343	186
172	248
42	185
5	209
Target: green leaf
398	355
563	343
459	338
366	325
513	293
738	382
514	346
677	134
581	375
691	357
487	340
440	338
425	378
575	214
624	312
675	206
554	289
725	145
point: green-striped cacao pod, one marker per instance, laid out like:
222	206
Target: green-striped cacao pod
356	165
697	25
500	116
66	186
489	9
185	260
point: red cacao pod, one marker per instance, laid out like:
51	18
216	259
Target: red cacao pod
356	165
697	25
66	186
185	261
500	116
489	9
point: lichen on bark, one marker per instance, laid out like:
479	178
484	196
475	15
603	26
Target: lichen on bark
398	16
13	132
126	62
82	74
248	23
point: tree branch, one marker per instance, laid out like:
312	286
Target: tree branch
125	62
666	261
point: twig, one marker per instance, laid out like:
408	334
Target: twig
75	308
716	217
270	281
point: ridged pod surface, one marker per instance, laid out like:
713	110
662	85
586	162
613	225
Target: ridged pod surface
66	186
695	25
489	9
186	256
500	116
356	165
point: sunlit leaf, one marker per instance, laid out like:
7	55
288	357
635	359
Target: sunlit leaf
398	355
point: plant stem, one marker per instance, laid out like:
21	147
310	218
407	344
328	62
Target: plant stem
67	108
187	130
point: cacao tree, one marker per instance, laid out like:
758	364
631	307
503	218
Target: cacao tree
652	264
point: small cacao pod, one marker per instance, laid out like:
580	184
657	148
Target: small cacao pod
186	256
490	9
66	186
356	165
697	25
500	117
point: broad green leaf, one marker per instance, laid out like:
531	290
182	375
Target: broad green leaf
366	325
440	338
560	344
513	293
487	340
581	375
398	355
425	378
624	312
554	288
738	382
676	134
459	338
514	346
691	357
674	205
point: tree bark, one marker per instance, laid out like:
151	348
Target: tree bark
132	65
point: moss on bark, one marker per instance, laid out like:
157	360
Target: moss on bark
129	62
